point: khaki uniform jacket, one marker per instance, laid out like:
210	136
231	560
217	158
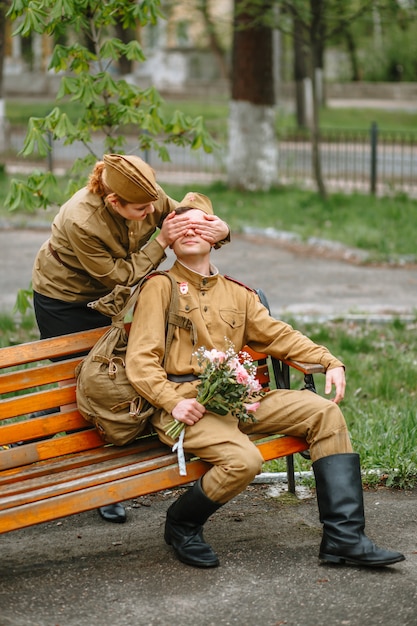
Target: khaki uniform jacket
217	308
101	247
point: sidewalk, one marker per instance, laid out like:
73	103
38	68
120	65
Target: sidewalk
82	571
305	282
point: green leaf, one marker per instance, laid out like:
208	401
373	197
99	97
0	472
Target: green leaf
133	51
64	127
105	83
33	19
104	105
24	301
112	48
35	139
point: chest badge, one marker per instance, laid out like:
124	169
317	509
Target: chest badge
183	288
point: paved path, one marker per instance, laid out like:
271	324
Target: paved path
297	281
81	571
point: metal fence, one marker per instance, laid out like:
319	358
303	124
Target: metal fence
368	161
374	161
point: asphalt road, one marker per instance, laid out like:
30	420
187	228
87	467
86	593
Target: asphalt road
311	282
82	571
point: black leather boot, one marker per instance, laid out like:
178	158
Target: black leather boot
184	527
340	501
115	513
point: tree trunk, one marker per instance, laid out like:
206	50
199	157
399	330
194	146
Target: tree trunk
253	149
3	10
215	46
303	112
317	8
353	55
125	35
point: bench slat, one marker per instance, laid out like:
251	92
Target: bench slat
149	446
25	404
44	349
131	487
38	376
50	448
46	426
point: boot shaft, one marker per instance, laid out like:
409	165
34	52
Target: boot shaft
193	507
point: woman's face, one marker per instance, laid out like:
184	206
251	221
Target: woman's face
131	211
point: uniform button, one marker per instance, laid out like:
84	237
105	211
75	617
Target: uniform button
204	281
187	308
205	309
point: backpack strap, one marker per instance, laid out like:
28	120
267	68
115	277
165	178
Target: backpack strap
173	318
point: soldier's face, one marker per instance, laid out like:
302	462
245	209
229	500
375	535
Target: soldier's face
191	243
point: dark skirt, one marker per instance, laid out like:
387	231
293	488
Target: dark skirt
56	317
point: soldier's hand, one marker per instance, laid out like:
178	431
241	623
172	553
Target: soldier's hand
188	411
173	227
211	228
336	377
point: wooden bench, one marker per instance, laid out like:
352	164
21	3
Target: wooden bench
62	466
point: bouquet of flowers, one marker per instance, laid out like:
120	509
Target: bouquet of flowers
227	385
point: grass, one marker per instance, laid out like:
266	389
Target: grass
215	113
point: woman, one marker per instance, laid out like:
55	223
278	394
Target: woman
113	231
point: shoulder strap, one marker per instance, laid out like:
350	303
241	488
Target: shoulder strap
173	319
234	280
172	316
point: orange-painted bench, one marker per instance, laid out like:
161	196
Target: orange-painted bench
62	466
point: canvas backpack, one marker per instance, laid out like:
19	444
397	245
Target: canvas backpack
105	396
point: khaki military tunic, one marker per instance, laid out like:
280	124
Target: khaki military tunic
98	248
217	309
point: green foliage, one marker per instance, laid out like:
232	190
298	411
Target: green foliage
109	105
394	59
37	191
23	301
16	330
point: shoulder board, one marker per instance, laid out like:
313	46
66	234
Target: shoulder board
156	273
233	280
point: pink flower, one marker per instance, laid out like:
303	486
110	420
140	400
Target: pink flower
242	376
215	356
251	408
254	385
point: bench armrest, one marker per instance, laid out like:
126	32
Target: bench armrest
305	368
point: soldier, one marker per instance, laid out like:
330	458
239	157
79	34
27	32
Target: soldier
112	232
219	308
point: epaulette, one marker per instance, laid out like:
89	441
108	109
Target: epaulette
233	280
156	273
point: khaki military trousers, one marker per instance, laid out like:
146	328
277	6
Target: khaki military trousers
223	440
